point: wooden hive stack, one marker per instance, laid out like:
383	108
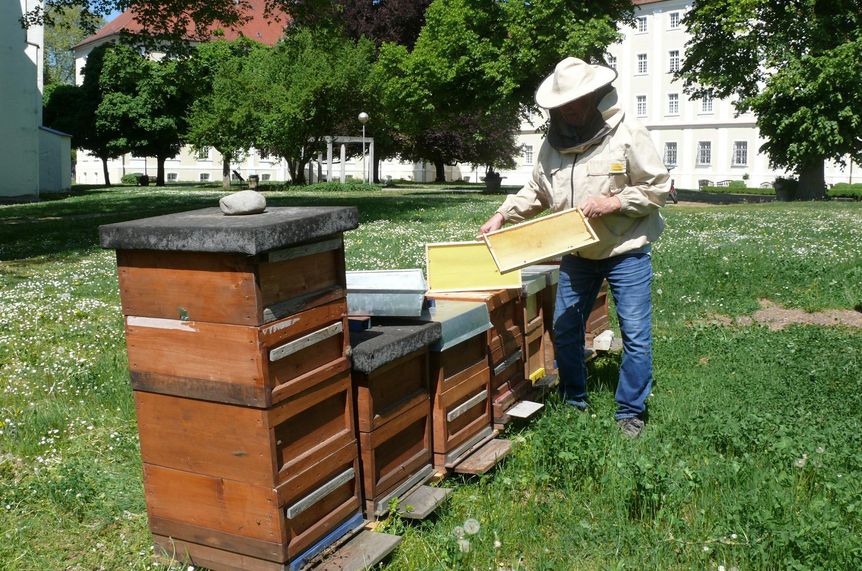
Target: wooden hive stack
505	342
532	323
237	344
393	407
598	321
547	299
460	382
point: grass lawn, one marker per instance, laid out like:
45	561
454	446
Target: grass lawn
751	459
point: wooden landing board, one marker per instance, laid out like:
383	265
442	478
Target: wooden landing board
525	409
465	266
422	501
362	552
485	457
530	242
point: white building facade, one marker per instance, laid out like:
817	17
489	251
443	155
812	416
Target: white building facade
33	160
701	141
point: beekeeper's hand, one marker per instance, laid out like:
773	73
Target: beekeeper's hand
495	222
596	206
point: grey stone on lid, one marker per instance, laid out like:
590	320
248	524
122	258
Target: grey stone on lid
208	230
382	344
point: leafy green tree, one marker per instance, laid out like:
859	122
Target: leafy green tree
145	103
67	27
308	87
73	109
485	60
217	118
796	64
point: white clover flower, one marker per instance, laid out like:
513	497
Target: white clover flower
801	462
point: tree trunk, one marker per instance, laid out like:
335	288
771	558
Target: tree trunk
297	170
160	170
812	182
440	173
105	170
225	171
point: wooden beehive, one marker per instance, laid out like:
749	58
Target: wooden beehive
460	380
392	388
533	325
548	302
505	343
236	333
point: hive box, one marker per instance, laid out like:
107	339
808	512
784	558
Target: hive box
386	293
236	333
391	380
504	342
460	380
548	302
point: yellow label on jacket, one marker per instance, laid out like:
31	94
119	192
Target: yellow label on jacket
617	167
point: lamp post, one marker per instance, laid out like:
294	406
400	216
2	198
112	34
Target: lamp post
363	118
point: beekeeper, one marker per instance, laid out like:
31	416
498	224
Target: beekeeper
596	158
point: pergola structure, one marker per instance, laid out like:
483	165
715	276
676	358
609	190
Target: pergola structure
344	141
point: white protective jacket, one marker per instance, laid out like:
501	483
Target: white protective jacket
622	163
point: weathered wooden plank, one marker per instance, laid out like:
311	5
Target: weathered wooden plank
422	502
180	433
223	505
396	451
195	286
266	550
173	549
465	266
485	458
364	551
520	245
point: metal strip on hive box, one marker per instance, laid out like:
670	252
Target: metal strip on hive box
305	341
465	266
532	284
386	293
510	360
459	321
319	494
550	271
466	405
537	240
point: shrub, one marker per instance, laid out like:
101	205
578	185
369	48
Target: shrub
131	178
845	190
740	189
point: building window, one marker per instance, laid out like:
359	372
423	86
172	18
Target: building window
704	153
673	103
642	63
673	61
740	153
203	154
612	61
706	104
172	177
528	154
642	24
674	20
670	154
204	177
265	176
641	105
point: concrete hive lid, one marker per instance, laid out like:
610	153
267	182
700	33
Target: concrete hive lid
550	271
208	230
381	344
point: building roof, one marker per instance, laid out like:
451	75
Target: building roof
261	28
641	2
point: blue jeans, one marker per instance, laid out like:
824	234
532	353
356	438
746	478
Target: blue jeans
630	278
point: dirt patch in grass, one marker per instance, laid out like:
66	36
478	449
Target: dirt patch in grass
776	317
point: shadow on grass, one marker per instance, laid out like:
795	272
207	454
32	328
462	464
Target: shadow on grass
67	226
